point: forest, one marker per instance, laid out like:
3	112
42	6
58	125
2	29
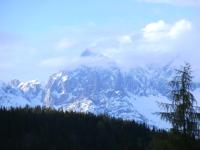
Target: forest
44	128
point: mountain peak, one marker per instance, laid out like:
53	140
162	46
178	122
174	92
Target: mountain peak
15	82
88	53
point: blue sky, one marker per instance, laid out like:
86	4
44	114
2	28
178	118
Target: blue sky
38	38
27	17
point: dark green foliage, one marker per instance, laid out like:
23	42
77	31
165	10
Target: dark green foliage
182	112
173	141
43	128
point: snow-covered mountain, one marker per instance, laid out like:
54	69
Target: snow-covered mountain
106	89
19	94
109	91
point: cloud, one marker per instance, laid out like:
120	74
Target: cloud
64	44
176	2
155	31
159	30
56	62
179	28
70	63
155	37
156	43
125	39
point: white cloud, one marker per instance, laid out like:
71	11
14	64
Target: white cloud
159	30
155	31
157	42
176	2
64	44
56	62
180	27
125	39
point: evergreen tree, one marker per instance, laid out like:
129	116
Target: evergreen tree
182	112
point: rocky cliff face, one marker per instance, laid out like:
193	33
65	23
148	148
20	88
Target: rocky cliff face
106	90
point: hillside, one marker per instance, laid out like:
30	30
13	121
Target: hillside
42	128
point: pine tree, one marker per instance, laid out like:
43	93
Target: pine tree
182	112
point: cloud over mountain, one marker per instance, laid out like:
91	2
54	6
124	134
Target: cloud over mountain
156	42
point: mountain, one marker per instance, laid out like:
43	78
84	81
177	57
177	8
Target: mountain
99	89
109	91
19	94
89	53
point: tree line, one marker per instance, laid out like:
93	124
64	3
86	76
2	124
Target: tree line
43	128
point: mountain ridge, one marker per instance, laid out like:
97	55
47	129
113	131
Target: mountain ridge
99	90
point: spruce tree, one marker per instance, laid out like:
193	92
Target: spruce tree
182	112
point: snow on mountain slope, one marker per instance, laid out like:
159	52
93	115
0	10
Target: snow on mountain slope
110	91
148	107
19	94
107	89
11	96
32	91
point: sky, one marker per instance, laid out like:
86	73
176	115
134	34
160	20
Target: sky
39	38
